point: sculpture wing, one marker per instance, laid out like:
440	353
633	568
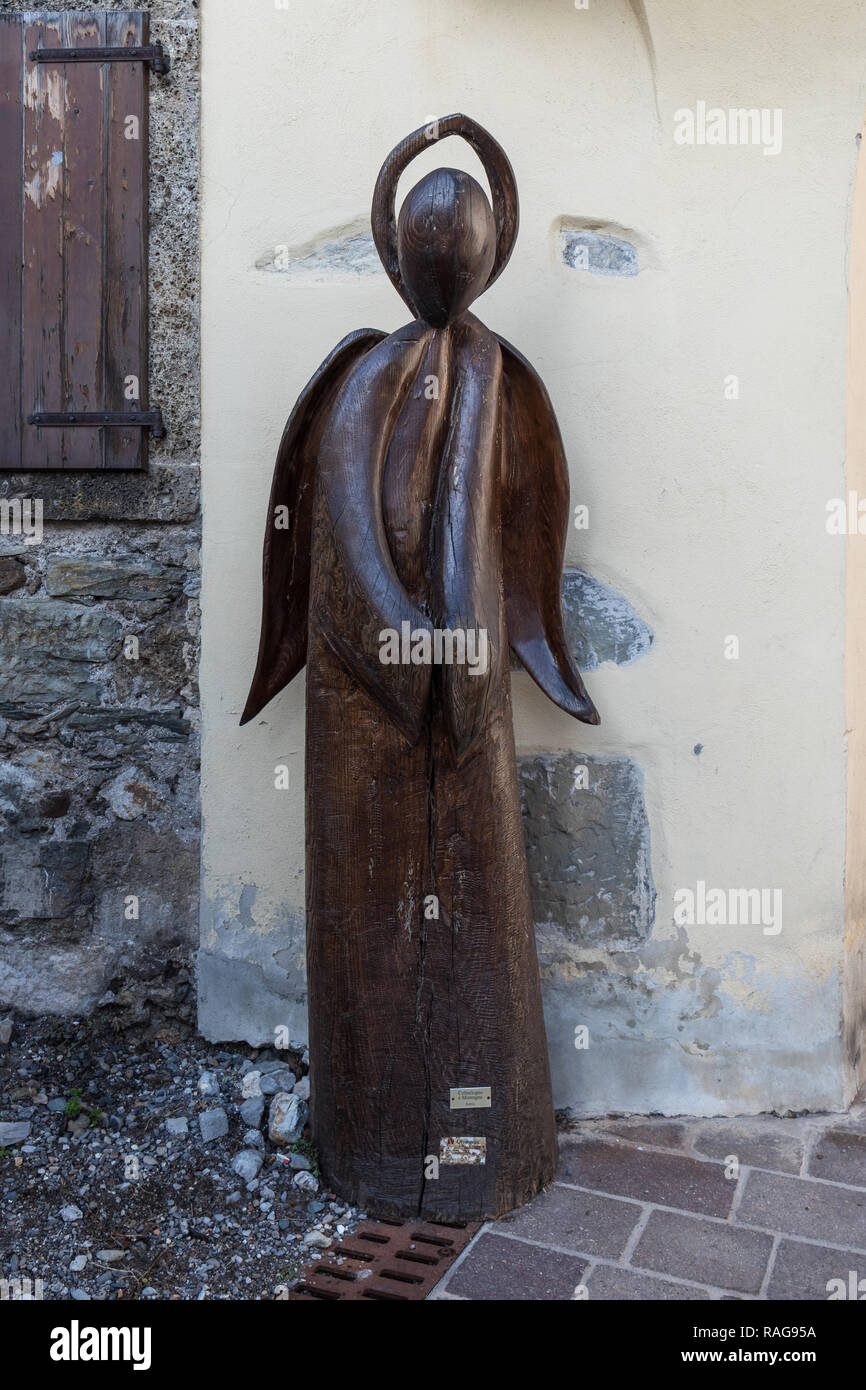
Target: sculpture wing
285	565
465	550
535	520
366	597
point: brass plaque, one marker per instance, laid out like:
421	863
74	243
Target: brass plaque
470	1097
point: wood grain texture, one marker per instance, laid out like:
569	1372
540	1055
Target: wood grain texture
124	286
428	484
83	220
42	305
11	197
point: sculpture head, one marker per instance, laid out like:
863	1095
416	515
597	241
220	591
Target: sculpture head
446	244
450	244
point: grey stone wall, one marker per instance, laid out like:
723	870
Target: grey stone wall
99	817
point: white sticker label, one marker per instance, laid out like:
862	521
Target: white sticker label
463	1148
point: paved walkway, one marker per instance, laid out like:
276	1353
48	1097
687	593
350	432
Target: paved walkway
647	1209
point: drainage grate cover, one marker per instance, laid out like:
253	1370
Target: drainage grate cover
384	1260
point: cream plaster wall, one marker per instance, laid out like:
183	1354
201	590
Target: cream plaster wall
707	513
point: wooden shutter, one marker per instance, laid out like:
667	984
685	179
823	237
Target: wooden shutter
73	241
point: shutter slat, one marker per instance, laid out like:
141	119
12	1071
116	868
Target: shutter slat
83	217
126	238
10	241
42	272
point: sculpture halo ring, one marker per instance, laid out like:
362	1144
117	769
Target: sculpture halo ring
500	176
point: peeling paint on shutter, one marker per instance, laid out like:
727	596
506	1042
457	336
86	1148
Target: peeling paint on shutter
73	241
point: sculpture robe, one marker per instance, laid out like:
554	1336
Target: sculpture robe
424	481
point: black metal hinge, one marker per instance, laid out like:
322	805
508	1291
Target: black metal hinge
151	53
62	419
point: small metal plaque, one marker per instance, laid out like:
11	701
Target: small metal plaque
470	1097
463	1148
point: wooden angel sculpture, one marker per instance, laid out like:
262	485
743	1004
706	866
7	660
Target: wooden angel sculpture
427	494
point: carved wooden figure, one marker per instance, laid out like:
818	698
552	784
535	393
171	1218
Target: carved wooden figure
427	495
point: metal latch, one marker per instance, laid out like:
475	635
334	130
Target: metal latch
147	419
151	53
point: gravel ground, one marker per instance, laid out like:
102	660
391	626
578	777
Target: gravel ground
121	1173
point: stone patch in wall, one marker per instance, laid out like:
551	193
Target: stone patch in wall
345	250
588	847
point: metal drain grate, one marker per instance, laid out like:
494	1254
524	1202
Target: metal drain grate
384	1260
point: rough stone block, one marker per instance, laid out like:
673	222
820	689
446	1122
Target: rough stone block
164	492
12	574
48	650
337	251
600	623
588	847
43	880
159	868
121	577
598	253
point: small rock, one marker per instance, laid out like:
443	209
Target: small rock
254	1139
305	1182
179	1125
11	1133
247	1164
300	1162
213	1124
280	1080
110	1257
57	1104
77	1126
77	1264
252	1111
317	1238
71	1213
208	1084
287	1117
251	1085
302	1088
5	1030
80	1295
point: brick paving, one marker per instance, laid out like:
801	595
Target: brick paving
670	1209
